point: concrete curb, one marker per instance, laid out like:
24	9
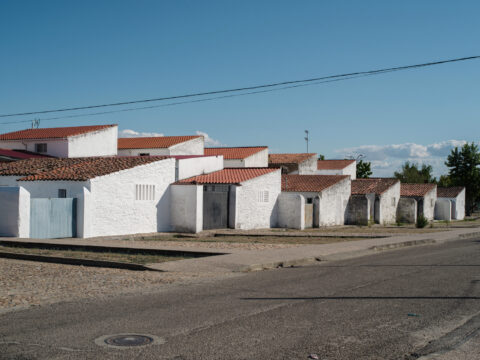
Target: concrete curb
76	261
306	235
403	244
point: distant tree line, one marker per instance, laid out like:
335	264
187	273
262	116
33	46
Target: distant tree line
463	170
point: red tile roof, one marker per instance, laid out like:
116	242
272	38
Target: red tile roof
333	164
289	158
372	186
310	183
159	142
21	154
227	176
52	133
416	189
235	152
73	169
449	192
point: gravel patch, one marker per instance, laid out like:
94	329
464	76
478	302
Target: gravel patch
26	283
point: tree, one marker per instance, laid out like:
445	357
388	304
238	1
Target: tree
363	169
411	173
321	157
464	170
444	181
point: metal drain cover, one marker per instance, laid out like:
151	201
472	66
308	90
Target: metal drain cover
125	341
128	340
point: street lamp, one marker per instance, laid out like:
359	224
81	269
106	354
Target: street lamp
306	138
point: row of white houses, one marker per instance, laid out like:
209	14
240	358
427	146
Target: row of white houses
84	182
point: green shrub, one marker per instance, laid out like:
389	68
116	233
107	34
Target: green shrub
421	222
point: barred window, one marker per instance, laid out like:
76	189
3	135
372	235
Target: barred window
263	196
144	192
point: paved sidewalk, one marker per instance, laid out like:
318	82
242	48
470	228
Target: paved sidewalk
239	260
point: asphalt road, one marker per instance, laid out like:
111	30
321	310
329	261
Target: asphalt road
402	304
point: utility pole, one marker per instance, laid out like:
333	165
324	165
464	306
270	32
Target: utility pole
306	138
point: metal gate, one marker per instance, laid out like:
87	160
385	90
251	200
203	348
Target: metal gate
215	206
53	218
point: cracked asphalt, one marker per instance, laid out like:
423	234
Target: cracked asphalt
418	302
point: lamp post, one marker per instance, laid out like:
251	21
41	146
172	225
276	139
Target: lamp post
306	138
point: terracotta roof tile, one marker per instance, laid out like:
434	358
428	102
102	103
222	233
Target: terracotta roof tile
235	152
416	189
52	133
310	183
449	192
277	159
158	142
333	164
227	176
74	169
372	186
21	154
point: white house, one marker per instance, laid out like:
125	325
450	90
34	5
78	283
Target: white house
425	196
454	200
337	167
326	197
110	196
241	157
230	198
374	199
301	164
64	142
161	145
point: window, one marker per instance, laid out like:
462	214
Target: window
62	193
263	196
41	148
144	192
144	154
309	200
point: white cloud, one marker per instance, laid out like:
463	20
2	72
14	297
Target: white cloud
386	159
133	133
208	140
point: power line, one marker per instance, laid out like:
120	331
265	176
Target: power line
194	101
406	67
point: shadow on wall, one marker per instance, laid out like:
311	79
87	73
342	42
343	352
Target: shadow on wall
274	221
163	211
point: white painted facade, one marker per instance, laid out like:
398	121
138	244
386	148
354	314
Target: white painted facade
190	147
429	204
291	211
14	212
259	159
189	167
350	170
388	205
101	142
458	205
250	212
443	209
307	167
187	208
333	202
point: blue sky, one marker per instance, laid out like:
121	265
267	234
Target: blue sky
63	53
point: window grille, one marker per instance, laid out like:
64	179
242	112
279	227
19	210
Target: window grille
144	192
41	148
263	196
62	193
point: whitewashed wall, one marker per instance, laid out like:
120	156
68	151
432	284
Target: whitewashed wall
388	205
291	211
49	189
9	180
458	205
55	147
443	209
190	147
198	165
308	167
348	170
187	208
14	212
233	163
96	143
259	159
114	208
429	204
250	212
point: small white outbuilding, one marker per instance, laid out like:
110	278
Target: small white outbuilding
425	196
337	167
241	157
452	201
300	164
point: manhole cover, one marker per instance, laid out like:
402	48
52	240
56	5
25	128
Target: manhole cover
128	340
125	341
